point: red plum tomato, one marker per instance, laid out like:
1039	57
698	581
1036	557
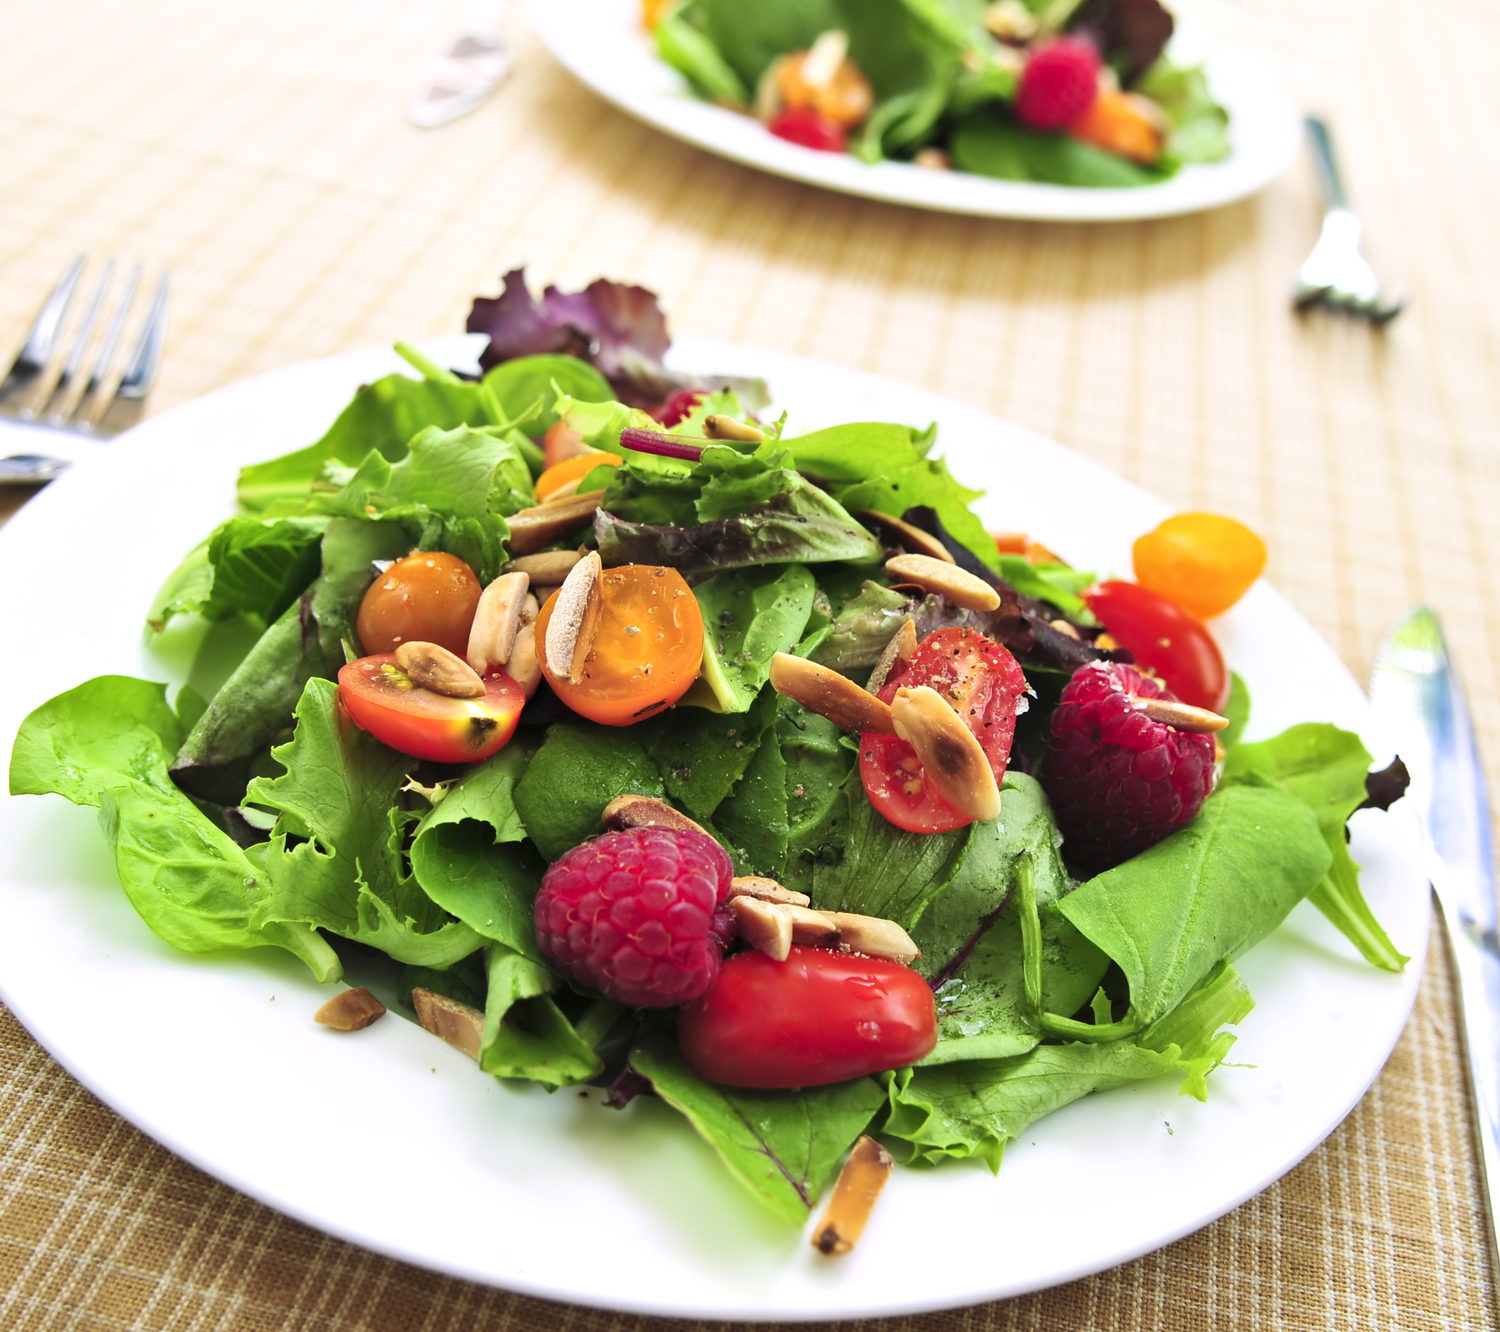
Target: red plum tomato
381	699
818	1017
1165	640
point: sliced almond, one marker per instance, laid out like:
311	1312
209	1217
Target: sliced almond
947	580
353	1010
829	694
901	533
902	647
449	1020
854	1197
548	568
951	757
814	928
767	890
1063	627
1180	716
726	427
766	926
524	667
535	529
874	937
497	620
638	811
435	668
575	619
565	491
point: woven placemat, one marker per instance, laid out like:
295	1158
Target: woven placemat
258	149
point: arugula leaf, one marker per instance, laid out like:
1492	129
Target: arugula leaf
1213	889
971	941
885	870
802	523
1325	768
578	770
974	1108
334	858
106	743
783	1146
748	617
989	145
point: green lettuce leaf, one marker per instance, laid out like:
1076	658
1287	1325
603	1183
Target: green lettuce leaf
106	743
853	452
350	548
894	490
526	1035
1200	126
783	1146
748	617
989	144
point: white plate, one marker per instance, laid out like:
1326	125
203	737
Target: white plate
603	43
393	1140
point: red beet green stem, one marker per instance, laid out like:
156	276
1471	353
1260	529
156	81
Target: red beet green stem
663	445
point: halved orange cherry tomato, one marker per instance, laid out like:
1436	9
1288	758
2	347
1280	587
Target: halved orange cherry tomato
985	683
428	597
1200	561
1165	639
818	1017
646	653
573	469
381	699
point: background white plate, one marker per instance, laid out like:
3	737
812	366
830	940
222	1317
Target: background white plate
603	43
391	1139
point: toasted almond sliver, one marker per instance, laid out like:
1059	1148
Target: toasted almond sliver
524	667
458	1024
534	529
575	619
816	928
829	694
726	427
874	937
1063	627
958	585
353	1010
1180	716
951	757
854	1197
547	568
768	890
638	811
497	621
435	668
901	532
902	647
766	926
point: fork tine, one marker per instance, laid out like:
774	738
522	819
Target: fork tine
145	359
112	333
42	338
60	389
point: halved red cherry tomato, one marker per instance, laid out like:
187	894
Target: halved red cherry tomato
985	683
428	597
381	699
1165	640
816	1018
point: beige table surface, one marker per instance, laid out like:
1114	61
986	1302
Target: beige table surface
259	150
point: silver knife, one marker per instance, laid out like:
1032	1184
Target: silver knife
1419	698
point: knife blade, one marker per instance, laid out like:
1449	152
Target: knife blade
1420	700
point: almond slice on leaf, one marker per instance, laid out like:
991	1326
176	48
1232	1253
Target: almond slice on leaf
946	580
534	529
575	619
854	1198
458	1024
435	668
726	427
638	811
547	568
768	890
830	695
766	926
874	936
902	647
497	621
950	756
524	666
899	532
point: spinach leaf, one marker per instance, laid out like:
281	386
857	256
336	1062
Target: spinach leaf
526	1035
693	55
334	858
528	380
750	36
1213	889
802	523
1325	768
990	145
784	1146
863	627
974	1108
817	766
702	754
1054	583
748	617
753	820
1237	709
885	870
106	743
576	773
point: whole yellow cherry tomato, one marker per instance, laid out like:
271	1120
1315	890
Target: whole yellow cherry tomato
1202	562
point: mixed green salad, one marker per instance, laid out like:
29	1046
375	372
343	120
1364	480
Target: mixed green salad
1067	92
265	816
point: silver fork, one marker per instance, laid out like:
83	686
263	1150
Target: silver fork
55	395
1336	273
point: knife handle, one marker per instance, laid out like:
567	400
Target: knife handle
1476	962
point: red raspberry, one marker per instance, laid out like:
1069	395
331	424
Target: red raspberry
1118	781
801	124
1059	84
632	914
